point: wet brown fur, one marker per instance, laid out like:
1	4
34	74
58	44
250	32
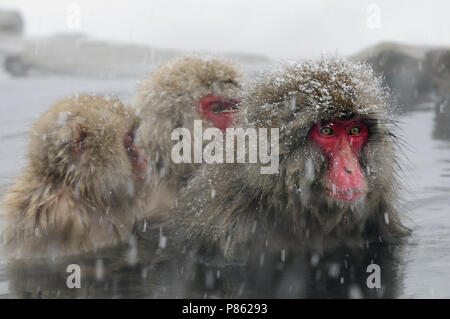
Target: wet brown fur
289	210
75	195
167	100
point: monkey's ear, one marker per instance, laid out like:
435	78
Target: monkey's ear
79	138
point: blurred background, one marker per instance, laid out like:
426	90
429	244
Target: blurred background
406	41
50	49
281	29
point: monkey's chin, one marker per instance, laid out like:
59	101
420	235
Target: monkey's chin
347	197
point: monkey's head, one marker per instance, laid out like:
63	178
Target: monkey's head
192	88
86	143
341	142
337	146
184	90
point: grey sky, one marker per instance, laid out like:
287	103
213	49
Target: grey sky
277	28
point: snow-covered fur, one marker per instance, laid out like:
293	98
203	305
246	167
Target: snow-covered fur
167	100
76	193
234	208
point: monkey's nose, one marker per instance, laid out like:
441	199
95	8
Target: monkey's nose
347	170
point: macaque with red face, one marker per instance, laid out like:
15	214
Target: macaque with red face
336	184
77	193
341	141
185	89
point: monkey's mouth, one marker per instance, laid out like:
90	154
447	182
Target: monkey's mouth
349	196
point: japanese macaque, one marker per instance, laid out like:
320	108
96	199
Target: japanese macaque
76	194
184	90
337	178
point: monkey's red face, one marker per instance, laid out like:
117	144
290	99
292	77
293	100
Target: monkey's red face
218	110
341	141
139	161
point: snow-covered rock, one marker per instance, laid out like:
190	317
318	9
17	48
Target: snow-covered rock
76	54
403	69
11	23
438	64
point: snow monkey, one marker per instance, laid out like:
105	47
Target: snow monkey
336	183
186	89
76	194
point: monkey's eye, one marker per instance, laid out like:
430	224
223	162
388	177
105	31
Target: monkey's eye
229	81
355	131
326	131
129	138
219	108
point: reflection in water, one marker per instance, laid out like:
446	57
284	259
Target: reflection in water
142	271
340	274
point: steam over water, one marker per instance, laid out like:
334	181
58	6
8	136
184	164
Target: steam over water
419	268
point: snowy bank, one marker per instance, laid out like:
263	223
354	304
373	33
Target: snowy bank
79	55
11	23
414	73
